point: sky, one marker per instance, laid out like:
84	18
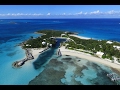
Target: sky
59	11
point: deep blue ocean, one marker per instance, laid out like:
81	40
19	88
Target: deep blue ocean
15	31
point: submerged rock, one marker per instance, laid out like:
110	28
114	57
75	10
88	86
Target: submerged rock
48	77
67	55
66	58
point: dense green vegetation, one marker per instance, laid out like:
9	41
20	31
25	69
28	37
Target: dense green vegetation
37	42
94	46
51	33
89	46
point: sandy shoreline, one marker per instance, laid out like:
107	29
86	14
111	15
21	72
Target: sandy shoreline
81	37
36	52
88	57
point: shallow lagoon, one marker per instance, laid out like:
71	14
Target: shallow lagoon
11	34
74	71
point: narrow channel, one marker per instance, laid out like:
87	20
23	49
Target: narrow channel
45	56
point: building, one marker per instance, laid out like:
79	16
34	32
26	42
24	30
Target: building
63	35
50	45
43	43
47	44
68	39
99	54
28	45
117	47
109	42
52	38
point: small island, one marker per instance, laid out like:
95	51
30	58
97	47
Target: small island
104	49
42	43
100	48
105	52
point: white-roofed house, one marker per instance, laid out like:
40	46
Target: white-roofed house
27	45
68	39
50	45
118	47
63	35
43	43
109	42
99	54
47	44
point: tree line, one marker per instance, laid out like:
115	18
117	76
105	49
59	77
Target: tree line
94	46
37	42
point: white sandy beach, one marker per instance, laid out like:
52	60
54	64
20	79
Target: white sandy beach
79	54
88	57
35	52
81	37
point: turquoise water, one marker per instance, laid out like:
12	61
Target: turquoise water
92	74
22	76
12	34
10	53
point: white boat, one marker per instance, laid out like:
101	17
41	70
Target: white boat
59	52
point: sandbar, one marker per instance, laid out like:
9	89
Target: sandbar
37	51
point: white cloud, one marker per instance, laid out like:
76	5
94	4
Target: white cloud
8	14
113	12
2	14
13	14
29	14
96	12
79	13
85	13
48	14
35	14
63	13
69	14
20	14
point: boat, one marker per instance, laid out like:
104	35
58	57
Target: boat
59	52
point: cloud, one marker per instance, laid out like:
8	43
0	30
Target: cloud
79	13
48	14
69	14
96	12
110	13
63	13
89	13
8	14
85	13
113	12
36	14
21	14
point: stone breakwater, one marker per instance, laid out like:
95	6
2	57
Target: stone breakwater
31	53
29	56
